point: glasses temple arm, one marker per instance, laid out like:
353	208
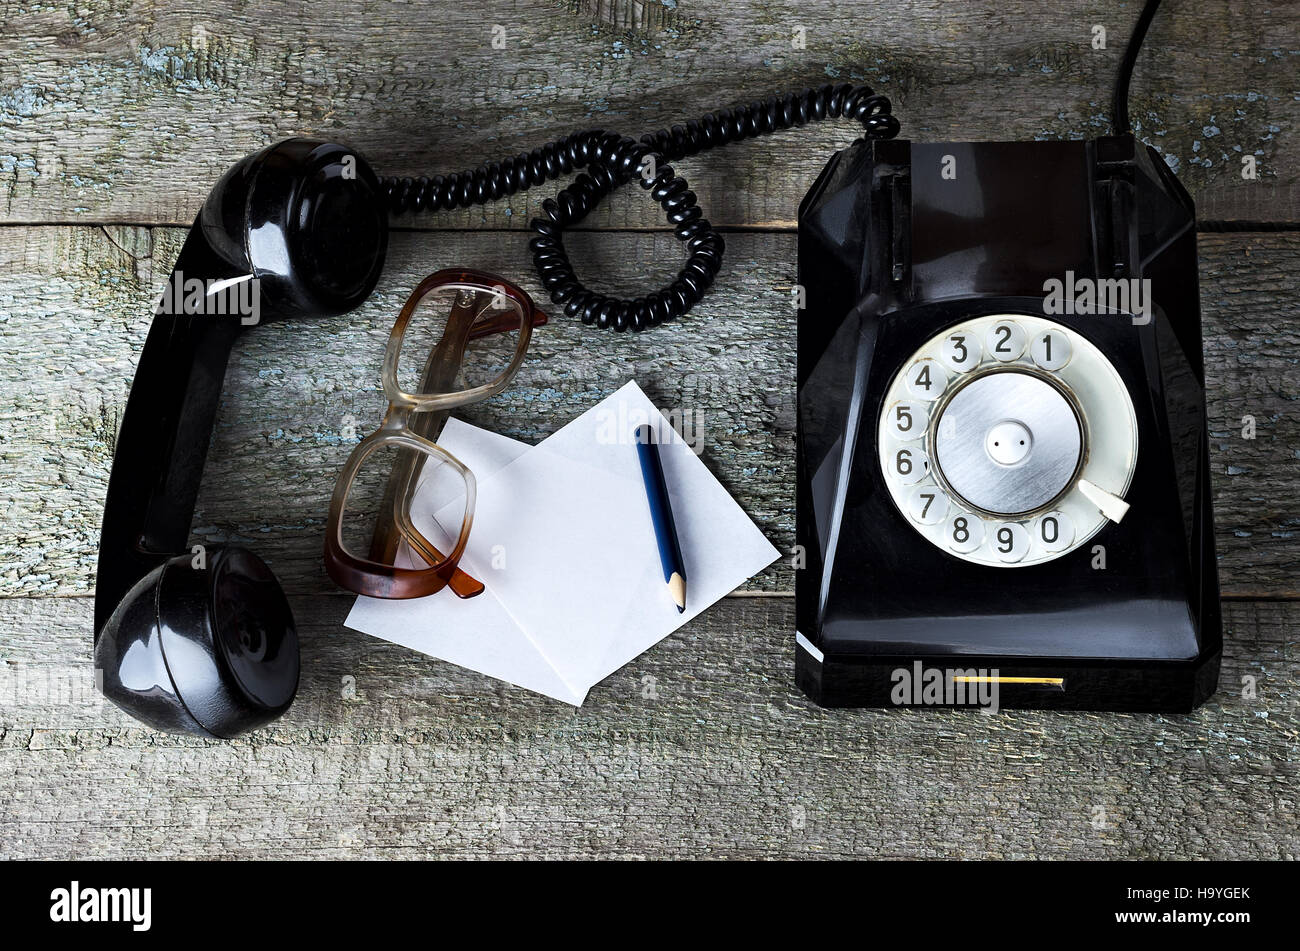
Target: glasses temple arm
504	323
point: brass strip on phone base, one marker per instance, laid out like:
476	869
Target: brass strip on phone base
1056	682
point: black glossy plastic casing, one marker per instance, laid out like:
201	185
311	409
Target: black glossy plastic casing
203	640
892	252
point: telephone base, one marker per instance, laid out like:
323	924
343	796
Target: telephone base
997	493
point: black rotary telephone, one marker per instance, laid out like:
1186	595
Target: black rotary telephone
1003	461
205	641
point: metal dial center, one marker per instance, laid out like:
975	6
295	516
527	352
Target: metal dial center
1008	442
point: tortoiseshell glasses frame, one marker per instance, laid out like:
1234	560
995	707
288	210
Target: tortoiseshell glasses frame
482	305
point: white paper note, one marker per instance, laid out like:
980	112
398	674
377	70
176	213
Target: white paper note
562	539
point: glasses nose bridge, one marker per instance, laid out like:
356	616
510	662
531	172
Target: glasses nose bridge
398	416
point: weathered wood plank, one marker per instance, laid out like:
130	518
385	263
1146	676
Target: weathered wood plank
128	113
73	313
701	747
78	311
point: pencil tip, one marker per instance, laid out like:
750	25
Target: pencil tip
677	588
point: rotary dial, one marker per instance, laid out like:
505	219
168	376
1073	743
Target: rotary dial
1008	440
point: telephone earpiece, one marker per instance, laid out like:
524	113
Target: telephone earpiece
307	219
194	640
205	648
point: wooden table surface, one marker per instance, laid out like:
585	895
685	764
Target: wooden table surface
117	117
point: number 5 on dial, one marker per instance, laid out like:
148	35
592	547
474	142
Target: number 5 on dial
908	420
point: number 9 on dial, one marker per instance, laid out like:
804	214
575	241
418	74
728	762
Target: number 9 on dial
1010	541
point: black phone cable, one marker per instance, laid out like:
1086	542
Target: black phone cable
612	160
1119	104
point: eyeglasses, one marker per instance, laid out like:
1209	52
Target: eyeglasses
383	538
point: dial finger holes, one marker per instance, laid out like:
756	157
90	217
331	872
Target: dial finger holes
1050	350
1005	341
907	420
909	465
960	351
1054	531
926	379
965	533
927	504
991	435
1010	541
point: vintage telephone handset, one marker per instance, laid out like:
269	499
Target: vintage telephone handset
206	642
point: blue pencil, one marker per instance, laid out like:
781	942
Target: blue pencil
661	514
